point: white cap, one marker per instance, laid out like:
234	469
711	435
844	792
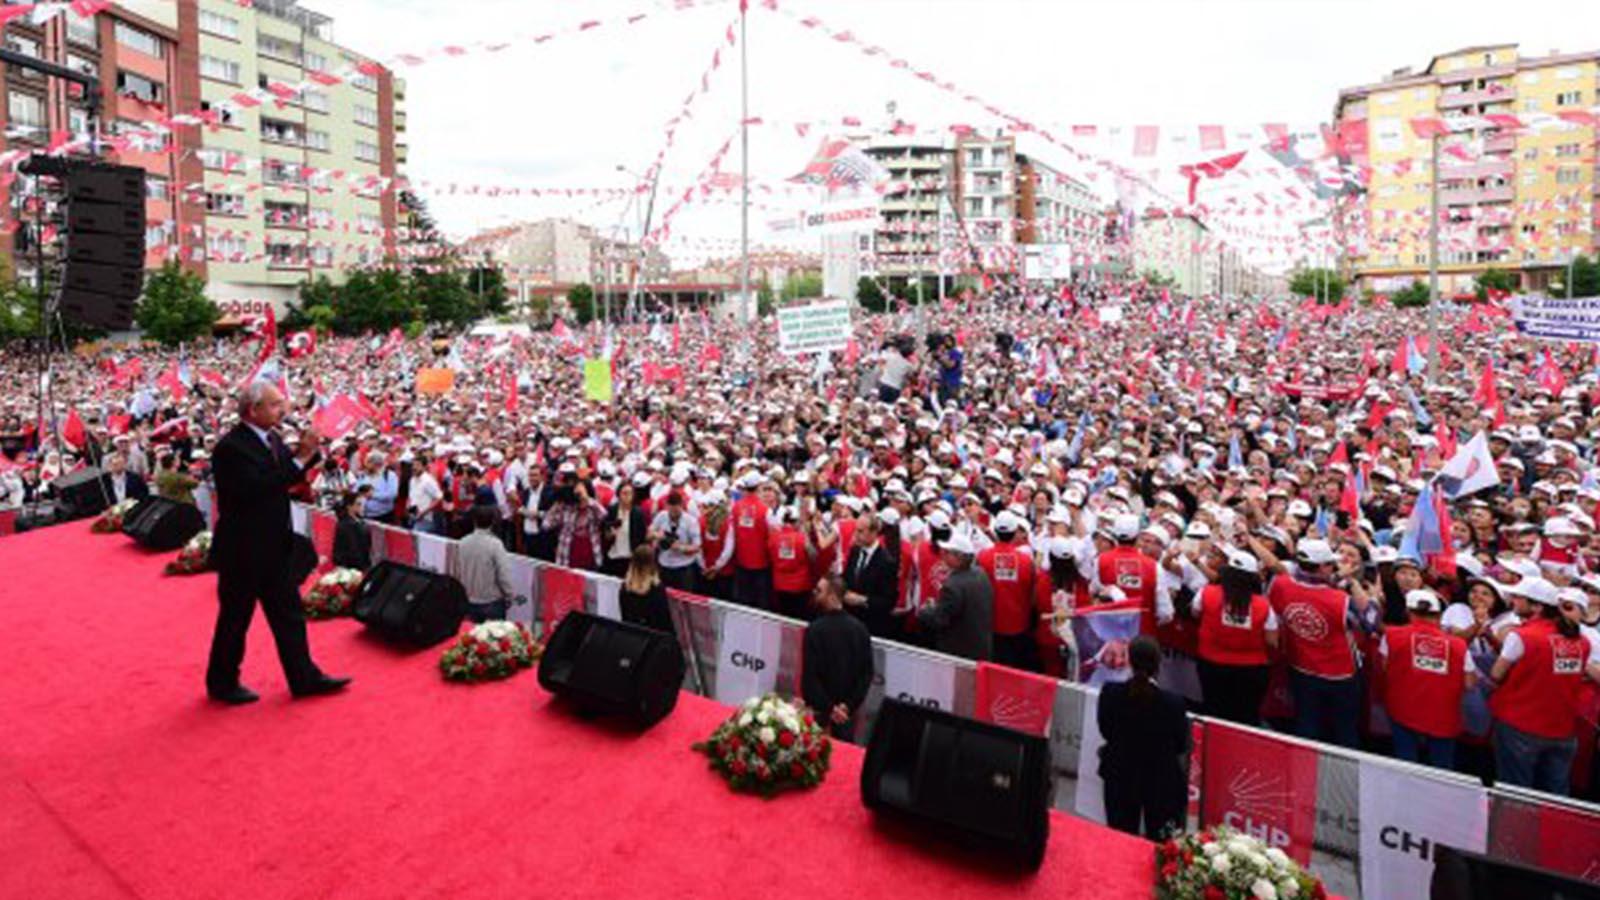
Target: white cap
1316	552
1383	553
1244	562
1572	595
1006	522
959	543
938	519
889	516
1064	547
1521	565
1125	527
1197	530
1300	509
1423	600
1059	516
1538	590
1560	526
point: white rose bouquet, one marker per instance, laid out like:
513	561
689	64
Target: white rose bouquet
491	650
334	594
194	558
110	521
769	744
1224	864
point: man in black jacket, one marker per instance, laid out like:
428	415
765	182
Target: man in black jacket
838	661
252	547
871	579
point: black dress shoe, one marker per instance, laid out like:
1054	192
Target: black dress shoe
238	695
323	684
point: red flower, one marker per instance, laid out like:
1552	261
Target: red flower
481	649
814	752
796	770
1318	892
1170	848
1188	857
1215	893
735	743
505	645
479	668
785	739
737	767
763	773
1169	870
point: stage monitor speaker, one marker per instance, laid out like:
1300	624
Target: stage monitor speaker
612	667
410	605
1460	875
162	524
972	781
82	493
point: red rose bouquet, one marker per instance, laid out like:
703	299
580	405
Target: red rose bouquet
768	745
110	521
489	651
194	558
334	594
1224	864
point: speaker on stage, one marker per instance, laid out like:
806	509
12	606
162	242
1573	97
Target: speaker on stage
410	605
162	524
614	668
103	241
1460	875
85	492
973	781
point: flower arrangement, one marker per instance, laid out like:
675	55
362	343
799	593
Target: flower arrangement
110	521
491	650
334	594
1224	864
194	558
768	745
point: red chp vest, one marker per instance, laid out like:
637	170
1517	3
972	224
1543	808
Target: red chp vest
1135	574
791	568
711	545
1229	641
1011	574
1540	693
1316	641
1425	677
750	534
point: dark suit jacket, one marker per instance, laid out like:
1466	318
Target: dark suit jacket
962	619
1144	740
254	537
352	544
879	583
637	526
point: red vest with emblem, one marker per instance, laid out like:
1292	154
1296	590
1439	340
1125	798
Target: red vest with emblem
711	544
1425	676
931	573
1227	641
750	533
791	568
1011	574
1311	618
1540	693
1135	574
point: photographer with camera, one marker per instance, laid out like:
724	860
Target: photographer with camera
575	517
675	532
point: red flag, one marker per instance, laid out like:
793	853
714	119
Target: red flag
119	423
1349	499
1340	454
1548	376
1018	700
338	418
400	546
675	341
511	390
173	385
73	431
302	343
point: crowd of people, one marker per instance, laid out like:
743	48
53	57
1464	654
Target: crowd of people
1271	481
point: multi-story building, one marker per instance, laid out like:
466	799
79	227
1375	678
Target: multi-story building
1176	247
562	252
906	242
1517	182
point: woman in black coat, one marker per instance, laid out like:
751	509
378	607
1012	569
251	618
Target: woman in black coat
643	597
1145	761
352	543
622	532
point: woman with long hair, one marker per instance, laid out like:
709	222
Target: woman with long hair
716	546
622	532
1059	592
1238	631
643	598
1144	761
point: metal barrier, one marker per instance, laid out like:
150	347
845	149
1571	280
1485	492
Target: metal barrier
1308	797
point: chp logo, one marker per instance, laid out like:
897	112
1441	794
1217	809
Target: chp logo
1018	712
1305	622
1259	804
742	660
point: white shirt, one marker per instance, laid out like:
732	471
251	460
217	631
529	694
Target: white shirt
687	533
425	492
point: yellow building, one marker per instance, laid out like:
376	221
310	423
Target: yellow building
1518	182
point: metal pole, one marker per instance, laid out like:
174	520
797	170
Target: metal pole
1572	256
1433	267
744	174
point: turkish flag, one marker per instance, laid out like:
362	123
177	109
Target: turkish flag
73	432
560	592
1262	786
1018	700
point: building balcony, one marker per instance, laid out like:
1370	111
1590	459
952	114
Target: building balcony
1468	196
1459	99
1500	143
1483	168
1474	74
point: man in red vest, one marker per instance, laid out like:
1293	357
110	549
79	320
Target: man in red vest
1426	672
1010	572
1319	607
1130	571
752	561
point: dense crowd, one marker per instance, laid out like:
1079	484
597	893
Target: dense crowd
1314	529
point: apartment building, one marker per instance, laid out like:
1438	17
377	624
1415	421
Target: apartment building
563	252
906	242
1518	174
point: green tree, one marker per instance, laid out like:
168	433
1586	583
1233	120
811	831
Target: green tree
539	307
1496	280
764	299
174	307
373	301
19	308
870	295
487	284
1415	294
1157	280
802	286
1585	277
1324	284
444	299
580	298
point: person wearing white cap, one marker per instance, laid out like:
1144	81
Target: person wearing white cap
961	620
1129	570
752	559
1059	590
1011	575
1539	675
1426	672
1320	608
1237	631
716	545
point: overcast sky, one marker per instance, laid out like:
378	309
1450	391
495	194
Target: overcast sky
566	112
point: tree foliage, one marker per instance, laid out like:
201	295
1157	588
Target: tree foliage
174	307
443	298
1585	278
870	295
1498	280
373	301
487	284
805	285
1324	284
19	308
1414	294
580	298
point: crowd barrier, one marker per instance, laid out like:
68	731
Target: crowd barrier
1367	824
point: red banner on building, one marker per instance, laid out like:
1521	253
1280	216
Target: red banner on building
1262	786
1019	700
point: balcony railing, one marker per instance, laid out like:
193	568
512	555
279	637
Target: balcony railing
1462	196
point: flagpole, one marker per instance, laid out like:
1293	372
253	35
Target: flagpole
1433	269
744	170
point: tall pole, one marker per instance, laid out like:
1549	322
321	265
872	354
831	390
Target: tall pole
1572	256
1433	267
744	173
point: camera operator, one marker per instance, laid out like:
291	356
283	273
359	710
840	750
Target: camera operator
575	517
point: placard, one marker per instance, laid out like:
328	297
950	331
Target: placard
1555	318
814	327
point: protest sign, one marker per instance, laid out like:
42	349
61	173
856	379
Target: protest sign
814	327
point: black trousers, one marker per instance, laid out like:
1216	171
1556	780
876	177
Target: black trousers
1019	651
1131	798
1233	693
237	596
752	587
684	578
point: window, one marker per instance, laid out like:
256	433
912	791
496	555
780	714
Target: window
278	48
1530	77
157	188
278	132
367	152
132	85
975	157
219	24
1530	105
321	255
291	215
134	39
225	204
1566	175
225	115
316	62
366	115
83	64
16	43
321	218
281	253
1530	178
220	69
225	247
85	31
1569	98
1531	153
369	224
214	158
276	171
365	82
25	111
78	122
1568	149
1570	73
318	140
316	101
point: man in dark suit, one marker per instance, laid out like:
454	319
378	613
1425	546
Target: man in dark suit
962	619
871	579
253	544
124	484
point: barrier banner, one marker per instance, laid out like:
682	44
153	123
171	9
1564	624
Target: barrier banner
1019	700
560	592
914	678
400	546
748	649
607	596
1551	837
433	553
1403	818
322	528
1091	800
8	521
1262	786
525	581
1197	751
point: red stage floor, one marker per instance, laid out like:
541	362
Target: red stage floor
118	779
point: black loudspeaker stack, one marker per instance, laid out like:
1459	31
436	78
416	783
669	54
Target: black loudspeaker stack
162	524
85	492
102	255
409	605
1460	875
970	780
613	668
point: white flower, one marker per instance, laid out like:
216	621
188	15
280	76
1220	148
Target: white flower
1211	849
767	736
744	720
1257	860
1278	857
1263	890
1222	863
1239	846
764	716
1288	888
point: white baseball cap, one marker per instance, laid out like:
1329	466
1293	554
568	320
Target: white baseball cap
1423	600
1244	562
1316	552
1538	590
1125	527
959	543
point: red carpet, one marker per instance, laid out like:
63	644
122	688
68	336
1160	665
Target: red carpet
118	779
